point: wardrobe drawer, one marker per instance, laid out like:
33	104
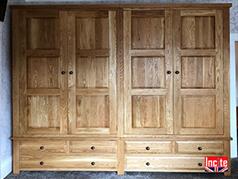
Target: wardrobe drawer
148	147
153	163
37	147
93	146
104	162
203	147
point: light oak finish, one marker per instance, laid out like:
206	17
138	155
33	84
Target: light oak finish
198	114
93	147
120	87
200	147
148	86
148	147
94	113
182	164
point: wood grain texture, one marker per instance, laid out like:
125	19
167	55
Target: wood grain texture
147	32
43	72
93	147
194	75
148	72
148	147
200	147
148	112
43	33
108	88
142	6
226	82
146	62
92	84
92	72
16	51
143	163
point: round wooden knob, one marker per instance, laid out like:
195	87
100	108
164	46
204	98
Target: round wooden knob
176	72
199	148
63	72
199	164
168	72
147	163
147	148
41	147
41	163
71	72
92	148
92	163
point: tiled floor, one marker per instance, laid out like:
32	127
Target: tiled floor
129	175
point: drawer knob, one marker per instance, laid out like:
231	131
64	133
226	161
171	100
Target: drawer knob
92	148
176	72
199	148
41	163
168	72
147	163
41	147
63	72
92	163
199	164
71	72
147	148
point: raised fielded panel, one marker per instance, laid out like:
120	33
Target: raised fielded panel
43	72
148	30
148	72
92	72
198	65
42	33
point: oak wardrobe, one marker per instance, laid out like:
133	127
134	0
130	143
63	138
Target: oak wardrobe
120	87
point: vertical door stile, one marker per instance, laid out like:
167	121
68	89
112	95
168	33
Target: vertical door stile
63	69
169	68
71	67
219	71
112	73
127	69
177	79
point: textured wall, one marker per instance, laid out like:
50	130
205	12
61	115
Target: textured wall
5	99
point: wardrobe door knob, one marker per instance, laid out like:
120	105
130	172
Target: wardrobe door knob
168	72
147	148
71	72
92	148
41	147
176	72
147	163
199	164
92	163
41	163
199	148
63	72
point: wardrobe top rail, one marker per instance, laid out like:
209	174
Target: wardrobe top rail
123	6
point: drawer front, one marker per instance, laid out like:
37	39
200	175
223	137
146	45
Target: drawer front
152	147
105	162
39	147
200	147
140	163
93	146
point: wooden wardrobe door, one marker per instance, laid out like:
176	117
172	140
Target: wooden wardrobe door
40	58
198	66
148	72
92	72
